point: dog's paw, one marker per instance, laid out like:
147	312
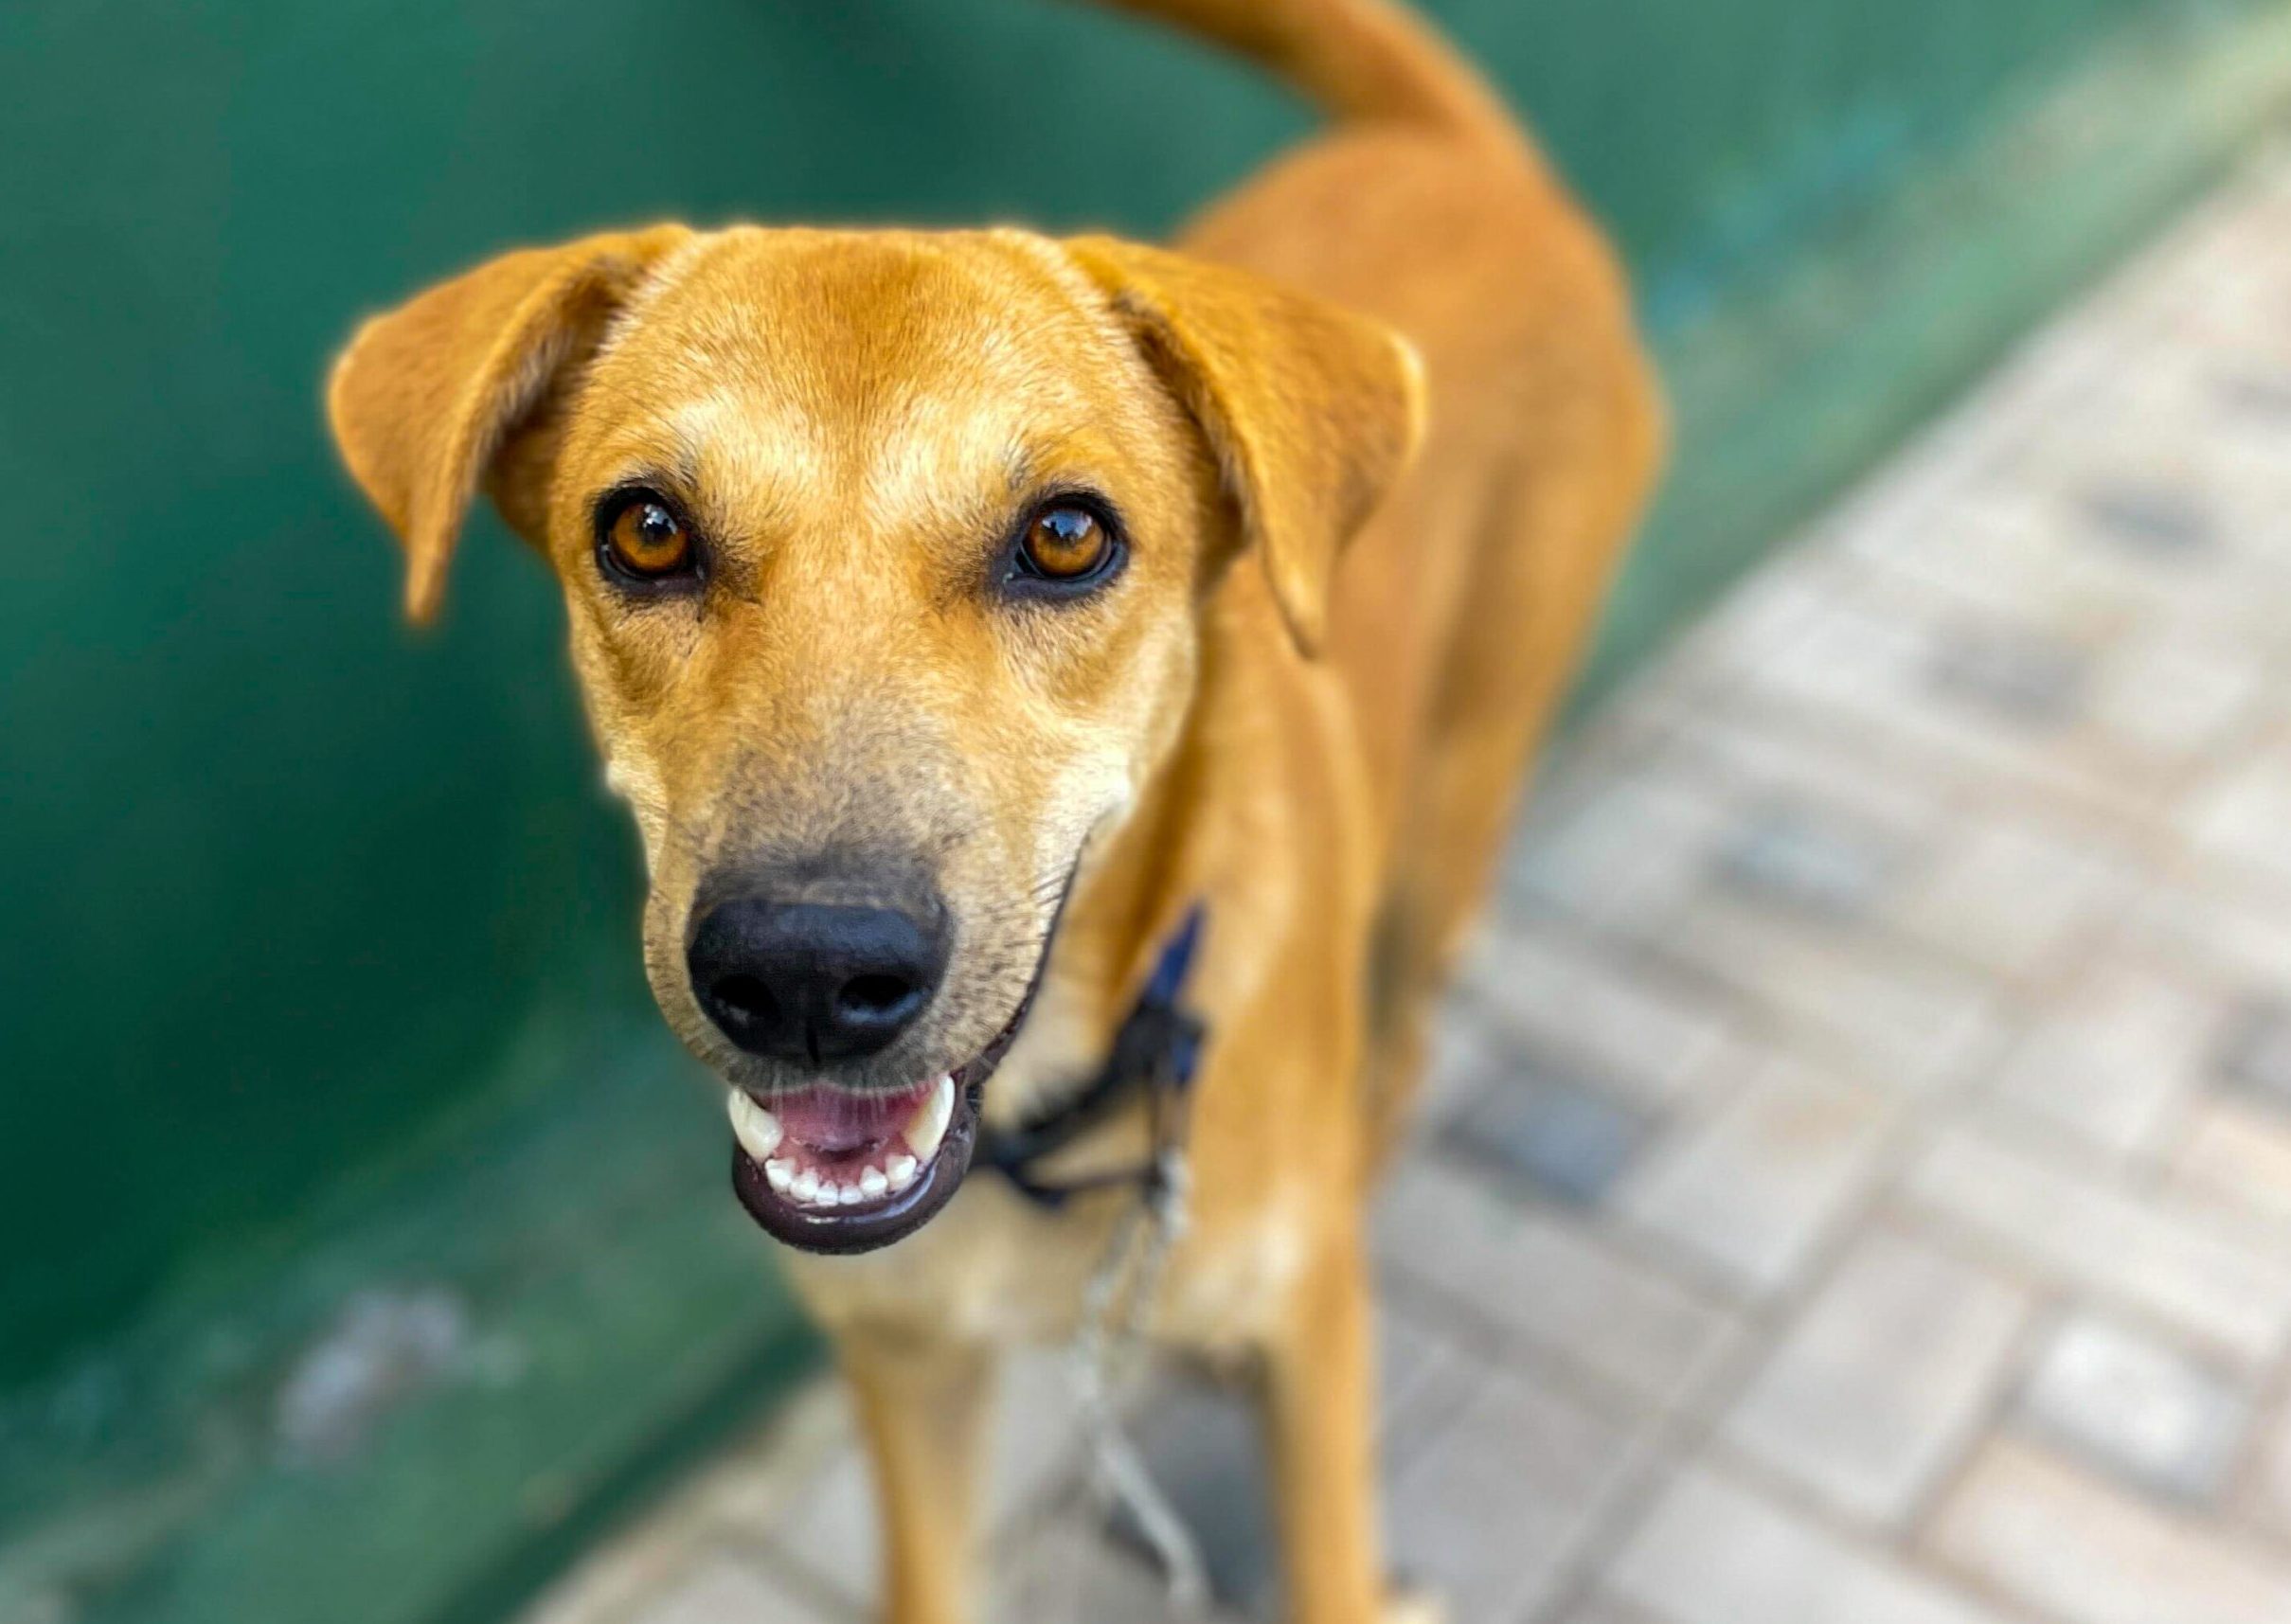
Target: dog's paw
1405	1604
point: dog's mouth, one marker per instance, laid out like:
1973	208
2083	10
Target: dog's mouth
840	1170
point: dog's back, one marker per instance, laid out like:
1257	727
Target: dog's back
1463	607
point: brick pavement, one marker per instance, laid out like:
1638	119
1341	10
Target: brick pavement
1861	1151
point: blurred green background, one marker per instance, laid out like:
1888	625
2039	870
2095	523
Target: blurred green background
323	1044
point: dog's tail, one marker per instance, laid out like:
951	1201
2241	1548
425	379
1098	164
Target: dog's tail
1360	61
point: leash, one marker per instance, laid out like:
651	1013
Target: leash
1157	1049
1112	1328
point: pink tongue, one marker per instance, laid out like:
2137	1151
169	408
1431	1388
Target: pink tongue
838	1121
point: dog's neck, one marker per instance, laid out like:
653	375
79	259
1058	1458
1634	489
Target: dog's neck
1194	838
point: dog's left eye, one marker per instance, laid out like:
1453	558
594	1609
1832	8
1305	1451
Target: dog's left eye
643	539
1066	546
1063	542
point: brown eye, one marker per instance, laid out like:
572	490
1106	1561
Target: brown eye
1064	543
646	539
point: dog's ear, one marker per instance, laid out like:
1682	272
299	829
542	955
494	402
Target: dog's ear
1311	411
450	390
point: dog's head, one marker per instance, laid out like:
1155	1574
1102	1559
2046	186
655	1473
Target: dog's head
885	556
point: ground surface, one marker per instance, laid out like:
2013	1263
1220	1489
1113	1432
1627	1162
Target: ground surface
1857	1186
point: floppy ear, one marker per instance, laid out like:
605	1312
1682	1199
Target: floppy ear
1311	411
448	390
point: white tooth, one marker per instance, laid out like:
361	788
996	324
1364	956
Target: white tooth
756	1128
900	1172
782	1172
806	1187
850	1195
872	1183
929	1123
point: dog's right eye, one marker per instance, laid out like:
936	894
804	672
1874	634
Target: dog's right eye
640	538
1063	544
1068	547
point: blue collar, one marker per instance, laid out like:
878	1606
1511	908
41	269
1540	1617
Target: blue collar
1157	1051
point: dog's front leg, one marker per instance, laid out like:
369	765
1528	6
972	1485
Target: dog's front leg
923	1406
1319	1432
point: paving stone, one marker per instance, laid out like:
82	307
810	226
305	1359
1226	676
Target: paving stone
1836	788
1069	1571
2165	521
1200	1445
2066	1547
2255	1053
1557	1135
1882	1377
2260	392
2146	1411
1851	660
1037	1437
1423	1374
1797	858
1886	686
2237	1155
2217	1282
2114	1058
1767	608
1611	1012
2242	815
2147	470
1548	1282
720	1589
830	1534
1602	1610
2245	400
1717	1552
2178	695
2021	677
2012	896
1624	852
1753	1190
1489	1513
1996	551
1872	1007
2220	928
1469	1054
2271	1486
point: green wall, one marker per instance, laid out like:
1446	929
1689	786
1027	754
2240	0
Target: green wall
304	906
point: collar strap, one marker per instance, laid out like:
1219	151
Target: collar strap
1157	1051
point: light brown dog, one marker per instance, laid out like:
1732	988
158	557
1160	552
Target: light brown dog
957	611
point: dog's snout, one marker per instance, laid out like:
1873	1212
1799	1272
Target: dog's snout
813	982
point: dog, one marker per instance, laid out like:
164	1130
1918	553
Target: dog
961	616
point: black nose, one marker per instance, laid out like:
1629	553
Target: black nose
811	981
